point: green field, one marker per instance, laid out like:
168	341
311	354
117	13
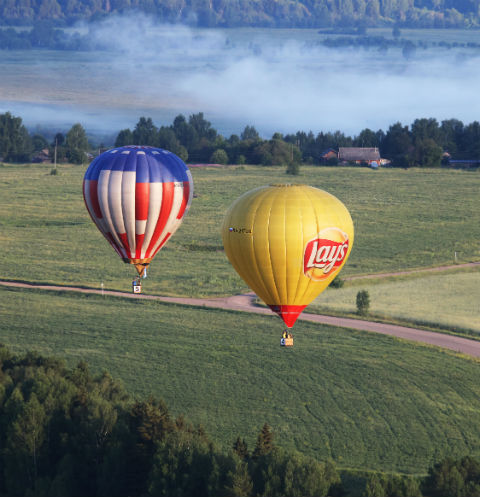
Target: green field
449	299
366	401
404	219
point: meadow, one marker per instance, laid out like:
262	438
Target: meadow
404	219
368	402
449	300
186	71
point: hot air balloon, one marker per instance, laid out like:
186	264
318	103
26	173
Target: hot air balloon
287	242
137	197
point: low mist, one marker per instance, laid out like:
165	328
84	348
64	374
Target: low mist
276	80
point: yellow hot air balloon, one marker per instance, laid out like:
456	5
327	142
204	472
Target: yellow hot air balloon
288	242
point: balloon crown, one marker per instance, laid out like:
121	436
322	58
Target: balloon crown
139	149
284	185
135	147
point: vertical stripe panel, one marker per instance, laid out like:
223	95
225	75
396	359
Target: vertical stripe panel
190	188
128	208
142	191
93	196
172	223
185	198
113	198
86	198
156	193
103	201
166	207
98	220
138	244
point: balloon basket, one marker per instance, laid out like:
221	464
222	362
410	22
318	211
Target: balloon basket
286	342
136	286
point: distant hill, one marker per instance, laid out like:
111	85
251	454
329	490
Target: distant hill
256	13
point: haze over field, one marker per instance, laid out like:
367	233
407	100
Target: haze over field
277	80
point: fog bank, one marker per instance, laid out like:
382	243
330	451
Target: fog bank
276	80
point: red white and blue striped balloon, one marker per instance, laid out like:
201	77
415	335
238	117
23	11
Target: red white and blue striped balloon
137	197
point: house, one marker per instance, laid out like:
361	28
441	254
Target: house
328	154
42	157
359	155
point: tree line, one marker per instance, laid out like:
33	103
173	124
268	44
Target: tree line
359	38
425	143
256	13
47	34
44	35
18	145
65	432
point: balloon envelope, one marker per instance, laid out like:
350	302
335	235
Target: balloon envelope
137	197
288	242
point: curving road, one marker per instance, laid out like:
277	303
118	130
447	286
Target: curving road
245	303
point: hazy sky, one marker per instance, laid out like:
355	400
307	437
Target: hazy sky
271	79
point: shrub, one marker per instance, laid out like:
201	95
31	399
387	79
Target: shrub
219	157
337	282
363	302
293	168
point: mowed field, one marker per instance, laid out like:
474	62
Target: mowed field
404	219
367	401
447	300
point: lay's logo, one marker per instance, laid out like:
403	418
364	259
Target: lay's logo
325	253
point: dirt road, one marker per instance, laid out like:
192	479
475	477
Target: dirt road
414	271
245	303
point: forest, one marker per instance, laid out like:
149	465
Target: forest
425	143
47	34
256	13
67	432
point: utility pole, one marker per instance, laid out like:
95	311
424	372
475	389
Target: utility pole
55	156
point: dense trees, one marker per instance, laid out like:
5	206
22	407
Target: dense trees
281	13
66	432
196	140
426	143
426	140
348	27
56	425
382	485
15	142
76	145
454	478
16	145
421	145
202	143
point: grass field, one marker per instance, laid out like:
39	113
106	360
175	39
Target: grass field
367	401
449	299
403	219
